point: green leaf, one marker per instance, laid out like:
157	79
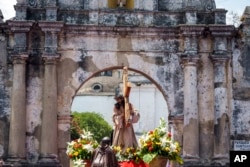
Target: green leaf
148	157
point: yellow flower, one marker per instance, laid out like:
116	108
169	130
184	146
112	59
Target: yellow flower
76	153
167	149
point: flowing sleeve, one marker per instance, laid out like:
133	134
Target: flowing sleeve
135	115
117	118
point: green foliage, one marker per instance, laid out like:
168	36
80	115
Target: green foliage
91	121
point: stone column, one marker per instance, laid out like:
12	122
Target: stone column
206	100
49	143
191	119
220	59
190	58
221	120
64	123
221	110
17	136
49	129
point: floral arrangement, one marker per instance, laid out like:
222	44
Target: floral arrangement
81	148
130	154
159	142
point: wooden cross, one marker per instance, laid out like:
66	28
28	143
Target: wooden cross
126	92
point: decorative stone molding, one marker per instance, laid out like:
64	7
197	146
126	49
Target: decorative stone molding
50	59
18	26
20	30
221	35
51	30
219	70
191	34
171	32
20	59
221	30
51	26
189	60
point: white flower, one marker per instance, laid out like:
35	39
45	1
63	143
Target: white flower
86	135
88	147
172	147
164	142
70	146
78	163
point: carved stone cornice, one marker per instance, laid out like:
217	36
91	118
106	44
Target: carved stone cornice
221	30
20	26
154	32
20	59
219	59
50	59
191	30
189	60
51	26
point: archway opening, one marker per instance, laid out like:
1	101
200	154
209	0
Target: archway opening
97	95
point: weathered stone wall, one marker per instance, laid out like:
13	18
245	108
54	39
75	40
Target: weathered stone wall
241	82
5	87
50	49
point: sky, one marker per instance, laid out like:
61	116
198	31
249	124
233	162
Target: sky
237	6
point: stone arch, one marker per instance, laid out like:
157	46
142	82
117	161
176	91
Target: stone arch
154	82
64	117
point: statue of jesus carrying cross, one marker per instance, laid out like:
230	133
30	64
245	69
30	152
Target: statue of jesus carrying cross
124	115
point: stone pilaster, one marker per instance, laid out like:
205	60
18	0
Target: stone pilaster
191	119
49	132
17	136
220	59
190	34
20	29
206	100
17	149
64	123
221	107
51	30
49	142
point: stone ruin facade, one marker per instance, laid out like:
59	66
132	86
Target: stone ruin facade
51	48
